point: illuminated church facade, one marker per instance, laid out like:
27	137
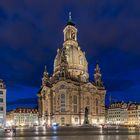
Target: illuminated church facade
65	96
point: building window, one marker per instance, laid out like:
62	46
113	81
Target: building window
75	99
87	101
75	104
1	92
62	121
63	103
1	116
1	108
1	100
96	102
76	119
75	108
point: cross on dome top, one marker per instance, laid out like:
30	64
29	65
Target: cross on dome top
70	19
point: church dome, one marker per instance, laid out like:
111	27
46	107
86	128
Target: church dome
77	65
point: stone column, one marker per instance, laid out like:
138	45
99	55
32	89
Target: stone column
70	105
79	101
50	107
39	109
43	109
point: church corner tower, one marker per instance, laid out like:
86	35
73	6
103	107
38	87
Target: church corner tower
67	97
98	76
45	78
100	87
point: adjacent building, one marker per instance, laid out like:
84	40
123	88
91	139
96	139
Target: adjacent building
117	113
2	103
138	114
134	114
22	117
68	97
120	113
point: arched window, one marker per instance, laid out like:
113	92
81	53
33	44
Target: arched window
75	104
97	105
75	99
62	121
62	98
96	102
63	103
87	101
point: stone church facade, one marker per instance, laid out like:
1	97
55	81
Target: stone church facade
65	96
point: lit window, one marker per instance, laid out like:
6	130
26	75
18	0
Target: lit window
1	116
75	104
75	108
1	92
62	103
1	100
1	108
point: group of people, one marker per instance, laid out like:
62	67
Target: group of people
10	130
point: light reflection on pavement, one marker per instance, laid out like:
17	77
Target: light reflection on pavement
95	137
73	133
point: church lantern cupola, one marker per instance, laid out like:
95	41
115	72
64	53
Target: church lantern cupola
70	33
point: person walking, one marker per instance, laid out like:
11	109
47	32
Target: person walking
14	131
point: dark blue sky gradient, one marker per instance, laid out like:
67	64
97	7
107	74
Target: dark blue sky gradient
32	30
